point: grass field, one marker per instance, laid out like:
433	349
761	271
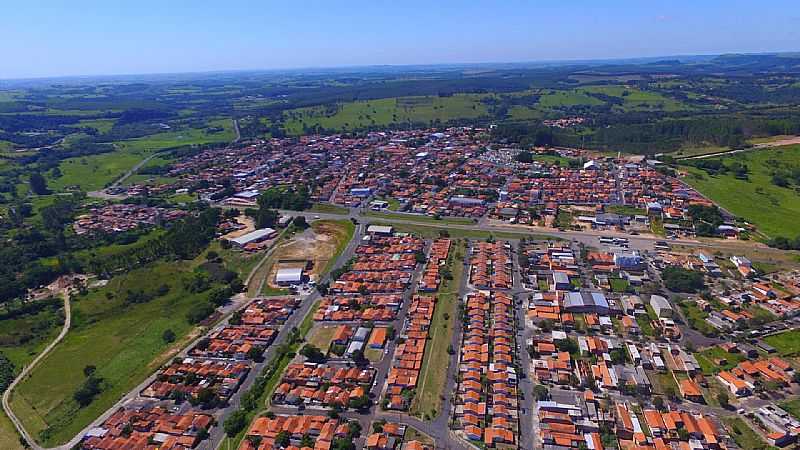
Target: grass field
637	100
433	373
94	172
792	407
124	341
20	340
361	114
344	231
326	208
774	210
558	99
433	231
421	218
709	360
787	343
744	436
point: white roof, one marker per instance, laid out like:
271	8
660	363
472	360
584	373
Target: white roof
380	229
253	236
289	274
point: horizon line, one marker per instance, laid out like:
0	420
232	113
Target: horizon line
565	62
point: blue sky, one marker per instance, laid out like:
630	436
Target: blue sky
90	37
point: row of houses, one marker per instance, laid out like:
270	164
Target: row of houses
486	408
404	374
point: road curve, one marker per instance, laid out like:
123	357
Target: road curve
27	369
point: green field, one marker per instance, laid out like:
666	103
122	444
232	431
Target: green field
792	407
327	208
124	341
774	210
21	339
361	114
94	172
710	357
558	99
636	99
744	436
433	374
787	343
421	218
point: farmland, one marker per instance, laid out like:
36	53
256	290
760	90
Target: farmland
382	112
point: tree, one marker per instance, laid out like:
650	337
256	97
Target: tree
168	336
658	402
282	439
89	370
313	354
723	399
300	222
678	279
235	422
541	393
38	184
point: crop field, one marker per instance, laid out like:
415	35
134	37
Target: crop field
123	340
360	114
773	209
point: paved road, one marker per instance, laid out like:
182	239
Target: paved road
27	369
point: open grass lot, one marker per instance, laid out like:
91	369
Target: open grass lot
558	99
774	210
360	114
94	172
421	218
124	341
342	232
744	436
321	337
433	374
792	407
710	358
787	343
433	231
326	208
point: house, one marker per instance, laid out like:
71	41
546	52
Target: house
661	306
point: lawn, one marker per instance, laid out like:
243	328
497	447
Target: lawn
124	341
709	360
618	284
744	436
433	373
321	337
792	407
421	218
697	318
382	112
773	209
787	343
327	208
433	231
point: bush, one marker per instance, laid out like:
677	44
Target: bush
678	279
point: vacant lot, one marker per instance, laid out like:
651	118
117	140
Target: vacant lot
710	360
433	374
744	436
123	340
773	209
787	343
